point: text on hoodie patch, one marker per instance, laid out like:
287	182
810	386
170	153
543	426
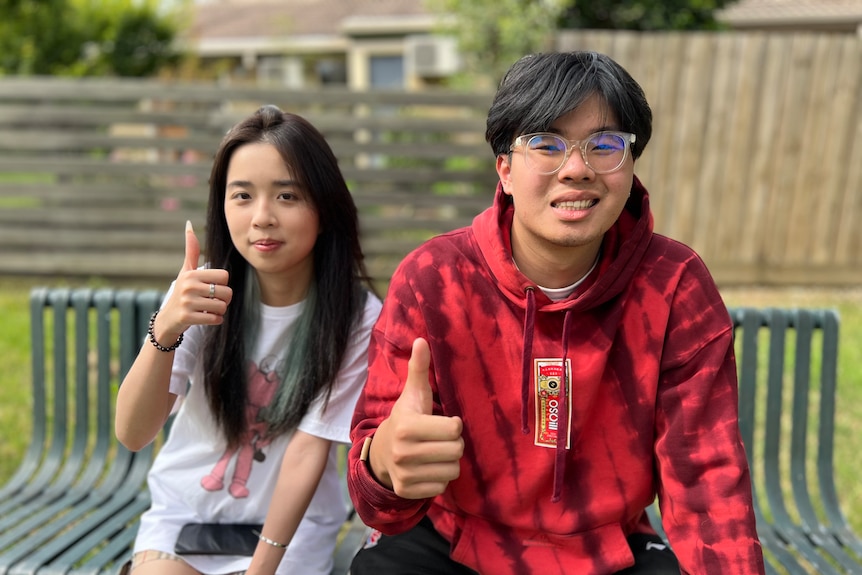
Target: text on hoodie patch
548	379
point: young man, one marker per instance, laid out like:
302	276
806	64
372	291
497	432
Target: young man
538	378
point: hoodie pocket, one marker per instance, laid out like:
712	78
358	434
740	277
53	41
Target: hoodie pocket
491	548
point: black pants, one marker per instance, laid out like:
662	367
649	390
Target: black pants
423	551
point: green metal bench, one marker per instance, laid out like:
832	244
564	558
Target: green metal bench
787	405
73	504
787	361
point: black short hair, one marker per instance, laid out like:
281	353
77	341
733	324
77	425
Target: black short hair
540	88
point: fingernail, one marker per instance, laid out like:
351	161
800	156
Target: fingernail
189	226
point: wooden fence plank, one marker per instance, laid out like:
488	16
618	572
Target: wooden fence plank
734	196
809	198
687	147
661	150
797	99
757	218
718	105
839	229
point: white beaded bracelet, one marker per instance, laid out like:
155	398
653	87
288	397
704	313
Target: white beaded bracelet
269	541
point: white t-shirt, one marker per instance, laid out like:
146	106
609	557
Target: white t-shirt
194	453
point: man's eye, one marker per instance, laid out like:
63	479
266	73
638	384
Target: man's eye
550	146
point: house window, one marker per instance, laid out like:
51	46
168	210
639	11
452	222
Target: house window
387	71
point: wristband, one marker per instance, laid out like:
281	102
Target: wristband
152	336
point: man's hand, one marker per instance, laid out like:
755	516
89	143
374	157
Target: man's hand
415	453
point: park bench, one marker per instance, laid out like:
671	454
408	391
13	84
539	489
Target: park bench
785	407
787	361
72	506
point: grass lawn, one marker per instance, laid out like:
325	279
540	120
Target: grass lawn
15	424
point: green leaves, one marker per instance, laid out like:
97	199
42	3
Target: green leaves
85	37
642	14
492	34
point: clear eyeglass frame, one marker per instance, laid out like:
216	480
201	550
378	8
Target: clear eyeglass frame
626	138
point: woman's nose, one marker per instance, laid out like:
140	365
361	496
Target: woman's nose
263	216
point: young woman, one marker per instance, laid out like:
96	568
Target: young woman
267	344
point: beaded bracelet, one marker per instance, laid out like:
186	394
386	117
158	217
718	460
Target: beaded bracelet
269	541
152	336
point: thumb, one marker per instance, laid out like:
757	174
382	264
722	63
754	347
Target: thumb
193	249
417	395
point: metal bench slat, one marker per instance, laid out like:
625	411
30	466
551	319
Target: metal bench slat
33	456
54	457
806	328
838	525
747	324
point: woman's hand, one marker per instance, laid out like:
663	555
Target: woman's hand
199	296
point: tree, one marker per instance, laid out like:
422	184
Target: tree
492	34
35	36
643	14
85	37
139	42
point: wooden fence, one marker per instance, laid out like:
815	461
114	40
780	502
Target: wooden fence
756	159
97	177
756	156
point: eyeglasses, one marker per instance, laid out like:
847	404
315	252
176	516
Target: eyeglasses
603	152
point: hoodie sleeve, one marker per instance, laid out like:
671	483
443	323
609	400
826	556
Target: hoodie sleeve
704	483
399	324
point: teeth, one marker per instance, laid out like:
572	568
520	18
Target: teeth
579	205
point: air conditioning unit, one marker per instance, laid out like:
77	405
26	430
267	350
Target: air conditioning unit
432	56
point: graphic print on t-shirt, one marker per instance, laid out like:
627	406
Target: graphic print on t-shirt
261	389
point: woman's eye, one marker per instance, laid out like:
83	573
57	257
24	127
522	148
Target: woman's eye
288	196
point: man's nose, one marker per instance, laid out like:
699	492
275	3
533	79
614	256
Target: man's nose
575	167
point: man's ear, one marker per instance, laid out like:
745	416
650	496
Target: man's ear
504	170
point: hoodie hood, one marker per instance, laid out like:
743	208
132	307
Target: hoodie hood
623	248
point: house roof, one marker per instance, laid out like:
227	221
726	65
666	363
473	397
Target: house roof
797	14
314	23
257	18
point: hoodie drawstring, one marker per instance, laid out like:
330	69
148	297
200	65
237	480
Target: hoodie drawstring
563	431
529	326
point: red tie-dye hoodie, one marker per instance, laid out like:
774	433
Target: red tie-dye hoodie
652	393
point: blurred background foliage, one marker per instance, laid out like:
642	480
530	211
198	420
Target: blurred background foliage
88	37
494	33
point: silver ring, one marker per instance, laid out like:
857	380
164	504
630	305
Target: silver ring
212	291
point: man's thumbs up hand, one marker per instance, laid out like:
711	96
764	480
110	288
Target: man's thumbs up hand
417	395
414	452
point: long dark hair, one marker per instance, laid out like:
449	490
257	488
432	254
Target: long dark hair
337	295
